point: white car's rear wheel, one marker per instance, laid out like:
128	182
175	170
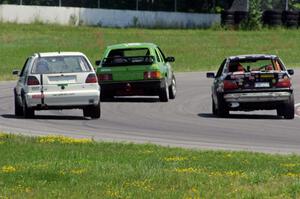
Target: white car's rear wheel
18	107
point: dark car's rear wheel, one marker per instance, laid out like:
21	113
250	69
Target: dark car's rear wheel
172	89
221	108
164	92
214	110
288	108
18	107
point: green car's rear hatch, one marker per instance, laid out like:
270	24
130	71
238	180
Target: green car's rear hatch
125	65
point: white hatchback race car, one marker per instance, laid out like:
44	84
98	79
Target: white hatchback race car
57	80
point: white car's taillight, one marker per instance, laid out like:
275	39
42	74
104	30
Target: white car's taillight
32	80
91	78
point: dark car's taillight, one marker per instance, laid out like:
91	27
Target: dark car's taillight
284	82
229	85
32	80
91	78
105	77
152	75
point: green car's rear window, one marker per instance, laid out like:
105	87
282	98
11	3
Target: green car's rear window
127	57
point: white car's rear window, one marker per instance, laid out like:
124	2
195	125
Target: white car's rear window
60	64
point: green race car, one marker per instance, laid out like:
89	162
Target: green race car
136	69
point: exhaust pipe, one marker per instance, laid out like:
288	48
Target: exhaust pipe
234	105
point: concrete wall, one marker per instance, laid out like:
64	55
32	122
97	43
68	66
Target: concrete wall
104	17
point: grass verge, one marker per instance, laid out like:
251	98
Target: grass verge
194	49
61	167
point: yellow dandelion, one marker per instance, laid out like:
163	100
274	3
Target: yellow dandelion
62	172
114	194
194	190
188	170
228	174
290	174
78	171
289	165
8	169
228	155
63	140
28	190
144	185
235	174
175	159
216	173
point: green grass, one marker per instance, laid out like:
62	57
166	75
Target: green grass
59	167
194	49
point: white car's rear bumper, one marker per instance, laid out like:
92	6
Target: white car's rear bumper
61	99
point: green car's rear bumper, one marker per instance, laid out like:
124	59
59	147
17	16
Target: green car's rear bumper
147	88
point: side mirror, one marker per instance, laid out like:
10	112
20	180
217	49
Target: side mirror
16	72
170	59
290	71
98	62
210	75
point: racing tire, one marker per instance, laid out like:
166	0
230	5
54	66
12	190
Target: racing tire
280	111
164	93
214	110
18	107
222	111
106	97
240	16
172	89
27	112
289	108
92	111
291	24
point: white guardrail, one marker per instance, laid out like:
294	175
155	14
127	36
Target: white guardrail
104	17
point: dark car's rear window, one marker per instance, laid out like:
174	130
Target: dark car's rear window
248	65
127	57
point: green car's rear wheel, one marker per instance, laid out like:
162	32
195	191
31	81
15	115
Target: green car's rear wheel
164	93
172	89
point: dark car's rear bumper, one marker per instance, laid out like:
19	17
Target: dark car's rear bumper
150	87
257	97
257	100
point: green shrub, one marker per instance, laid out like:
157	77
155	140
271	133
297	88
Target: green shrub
255	14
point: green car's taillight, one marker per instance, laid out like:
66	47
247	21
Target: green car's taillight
104	77
152	75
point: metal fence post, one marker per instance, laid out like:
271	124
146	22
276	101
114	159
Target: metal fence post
59	3
175	5
137	4
98	3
